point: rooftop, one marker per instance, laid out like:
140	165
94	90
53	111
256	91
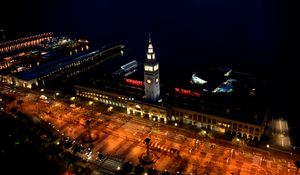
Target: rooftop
46	68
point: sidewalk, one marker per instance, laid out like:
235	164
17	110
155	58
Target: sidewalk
270	152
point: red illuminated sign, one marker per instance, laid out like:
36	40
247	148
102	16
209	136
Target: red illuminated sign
134	82
187	92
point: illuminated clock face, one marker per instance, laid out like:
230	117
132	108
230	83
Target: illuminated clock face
156	80
149	81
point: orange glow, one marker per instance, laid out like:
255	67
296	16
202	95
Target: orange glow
68	173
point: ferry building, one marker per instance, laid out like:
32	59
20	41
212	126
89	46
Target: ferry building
143	98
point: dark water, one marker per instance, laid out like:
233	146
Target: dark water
248	32
187	35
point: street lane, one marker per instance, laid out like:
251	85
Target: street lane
123	136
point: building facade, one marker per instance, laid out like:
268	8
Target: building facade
170	114
174	114
151	76
241	129
131	106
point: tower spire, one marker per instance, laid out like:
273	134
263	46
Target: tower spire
150	54
149	38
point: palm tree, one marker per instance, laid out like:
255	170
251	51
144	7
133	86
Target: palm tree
297	164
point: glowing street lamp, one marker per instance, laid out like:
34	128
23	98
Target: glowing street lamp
175	124
110	109
268	146
56	94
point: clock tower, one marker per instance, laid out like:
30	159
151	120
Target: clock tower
151	75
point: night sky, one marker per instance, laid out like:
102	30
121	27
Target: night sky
262	34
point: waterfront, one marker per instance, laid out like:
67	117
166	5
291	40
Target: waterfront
188	37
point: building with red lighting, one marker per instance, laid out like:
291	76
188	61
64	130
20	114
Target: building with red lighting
135	88
183	104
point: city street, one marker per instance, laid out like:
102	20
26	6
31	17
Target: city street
122	136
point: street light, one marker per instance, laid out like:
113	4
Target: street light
56	94
110	108
268	146
175	124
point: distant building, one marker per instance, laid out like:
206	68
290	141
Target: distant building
65	66
24	43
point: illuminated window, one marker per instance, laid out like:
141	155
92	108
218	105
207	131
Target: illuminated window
149	81
156	67
149	68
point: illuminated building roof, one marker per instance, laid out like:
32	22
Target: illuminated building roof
46	68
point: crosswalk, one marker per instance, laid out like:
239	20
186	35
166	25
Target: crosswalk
110	165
